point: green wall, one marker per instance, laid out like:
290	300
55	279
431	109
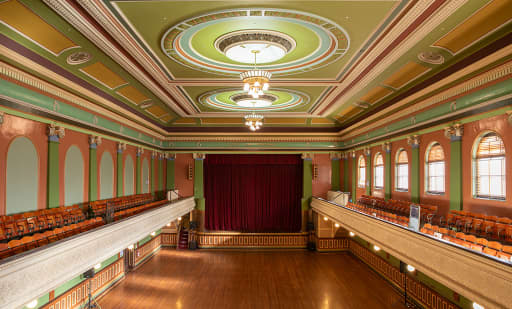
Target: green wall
22	176
74	177
106	176
128	176
145	175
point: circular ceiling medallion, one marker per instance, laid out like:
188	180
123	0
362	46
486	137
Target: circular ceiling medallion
235	99
431	57
255	46
78	58
285	42
245	100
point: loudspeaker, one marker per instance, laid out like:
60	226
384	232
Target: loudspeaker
403	267
89	274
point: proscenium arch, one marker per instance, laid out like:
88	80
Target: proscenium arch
22	178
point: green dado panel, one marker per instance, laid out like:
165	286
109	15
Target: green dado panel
128	176
145	176
22	176
106	176
73	176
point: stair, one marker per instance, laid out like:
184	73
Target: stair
183	240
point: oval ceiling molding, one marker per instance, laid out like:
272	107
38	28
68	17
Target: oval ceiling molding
195	42
229	100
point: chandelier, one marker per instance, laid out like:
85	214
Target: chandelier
255	81
253	121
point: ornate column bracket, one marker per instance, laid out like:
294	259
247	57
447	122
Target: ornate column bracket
367	152
55	133
344	155
1	118
386	147
353	154
454	132
139	152
170	156
307	156
94	141
198	156
509	118
335	155
121	147
154	154
161	156
414	141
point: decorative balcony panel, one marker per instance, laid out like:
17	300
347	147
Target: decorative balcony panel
36	272
485	280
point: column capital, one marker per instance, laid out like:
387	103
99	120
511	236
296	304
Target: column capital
353	154
386	147
509	117
335	156
121	147
170	156
1	118
307	156
55	132
198	156
94	141
367	152
139	151
161	156
154	154
414	141
454	132
344	155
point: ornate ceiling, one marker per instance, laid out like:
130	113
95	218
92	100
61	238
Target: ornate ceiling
174	66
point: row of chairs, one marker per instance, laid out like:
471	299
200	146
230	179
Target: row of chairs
400	208
382	214
493	227
19	225
26	243
99	208
135	210
493	248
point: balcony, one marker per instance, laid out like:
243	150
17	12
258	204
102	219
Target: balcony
27	276
483	279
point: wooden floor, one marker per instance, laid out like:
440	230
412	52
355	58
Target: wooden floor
242	279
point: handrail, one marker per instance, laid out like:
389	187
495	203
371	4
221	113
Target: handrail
483	279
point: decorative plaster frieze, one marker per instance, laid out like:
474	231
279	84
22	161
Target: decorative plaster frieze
30	276
413	141
307	156
198	156
335	155
386	147
454	132
444	262
254	139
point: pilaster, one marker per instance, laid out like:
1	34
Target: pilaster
55	133
307	178
368	155
386	147
454	133
414	142
119	169
94	142
138	175
198	180
171	157
354	175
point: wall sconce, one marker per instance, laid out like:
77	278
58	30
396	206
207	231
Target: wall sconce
190	172
315	171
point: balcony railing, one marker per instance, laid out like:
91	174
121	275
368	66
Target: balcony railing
481	278
28	276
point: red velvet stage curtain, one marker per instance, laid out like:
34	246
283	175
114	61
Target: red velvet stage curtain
253	193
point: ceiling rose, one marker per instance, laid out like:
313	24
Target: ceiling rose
245	100
241	45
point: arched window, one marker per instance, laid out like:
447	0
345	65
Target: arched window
378	175
361	172
402	171
435	169
489	167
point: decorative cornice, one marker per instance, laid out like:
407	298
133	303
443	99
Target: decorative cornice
254	139
454	132
413	141
307	156
335	155
198	156
55	132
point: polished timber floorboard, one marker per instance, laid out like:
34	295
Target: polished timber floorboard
252	279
